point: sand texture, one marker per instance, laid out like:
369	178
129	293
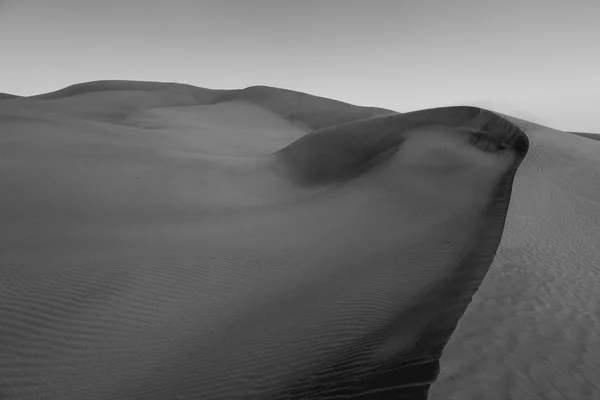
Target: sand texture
163	241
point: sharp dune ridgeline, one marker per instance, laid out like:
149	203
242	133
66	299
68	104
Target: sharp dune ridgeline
162	241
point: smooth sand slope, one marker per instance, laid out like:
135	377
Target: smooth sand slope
162	241
593	136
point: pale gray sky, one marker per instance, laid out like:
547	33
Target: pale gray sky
534	59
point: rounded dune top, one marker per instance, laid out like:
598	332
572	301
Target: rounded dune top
113	100
307	111
313	112
119	85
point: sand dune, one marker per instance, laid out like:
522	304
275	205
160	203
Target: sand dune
593	136
162	240
6	96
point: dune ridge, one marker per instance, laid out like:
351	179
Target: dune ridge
146	181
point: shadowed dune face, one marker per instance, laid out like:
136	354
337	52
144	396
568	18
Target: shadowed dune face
139	264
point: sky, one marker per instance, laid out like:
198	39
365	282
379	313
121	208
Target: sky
533	59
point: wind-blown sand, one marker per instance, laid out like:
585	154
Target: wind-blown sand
162	240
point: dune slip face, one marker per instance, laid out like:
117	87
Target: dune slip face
161	241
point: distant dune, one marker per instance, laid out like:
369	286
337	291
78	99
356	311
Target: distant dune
6	96
593	136
161	241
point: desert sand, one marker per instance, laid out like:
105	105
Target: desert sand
160	240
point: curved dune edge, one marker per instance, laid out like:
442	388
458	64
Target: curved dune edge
111	284
529	330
